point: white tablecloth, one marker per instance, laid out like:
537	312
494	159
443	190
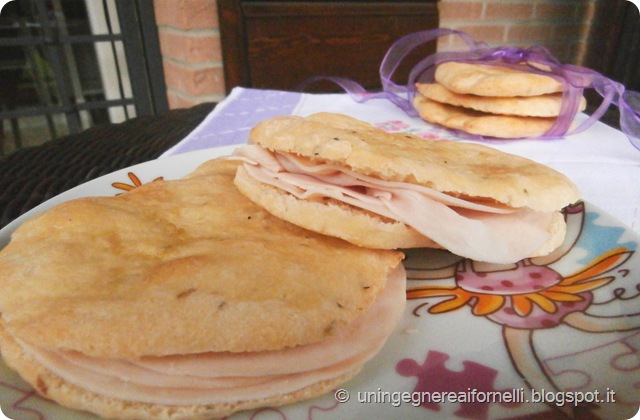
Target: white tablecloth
600	161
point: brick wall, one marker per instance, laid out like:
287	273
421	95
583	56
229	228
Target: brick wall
190	39
560	25
190	47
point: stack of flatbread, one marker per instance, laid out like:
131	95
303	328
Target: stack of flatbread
491	101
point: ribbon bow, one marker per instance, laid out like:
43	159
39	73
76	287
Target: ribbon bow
574	80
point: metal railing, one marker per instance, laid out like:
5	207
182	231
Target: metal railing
65	66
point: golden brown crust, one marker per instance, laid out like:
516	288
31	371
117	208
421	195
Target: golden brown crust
488	80
457	168
178	267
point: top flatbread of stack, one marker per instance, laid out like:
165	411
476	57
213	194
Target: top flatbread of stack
491	101
173	272
487	80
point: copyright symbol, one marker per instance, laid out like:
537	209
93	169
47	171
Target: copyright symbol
342	395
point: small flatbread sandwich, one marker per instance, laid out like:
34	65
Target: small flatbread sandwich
343	177
183	299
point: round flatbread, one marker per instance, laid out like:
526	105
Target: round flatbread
488	80
526	106
480	123
180	267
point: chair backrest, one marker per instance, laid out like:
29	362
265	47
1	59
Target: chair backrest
278	45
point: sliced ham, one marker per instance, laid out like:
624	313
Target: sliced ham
491	233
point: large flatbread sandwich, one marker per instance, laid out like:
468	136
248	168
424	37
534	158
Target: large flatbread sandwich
343	177
183	299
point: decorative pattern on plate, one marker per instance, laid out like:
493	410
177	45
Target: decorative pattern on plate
135	182
535	294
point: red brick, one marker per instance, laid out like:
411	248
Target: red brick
186	14
189	47
527	35
560	25
459	11
508	11
194	80
180	101
175	101
453	45
491	34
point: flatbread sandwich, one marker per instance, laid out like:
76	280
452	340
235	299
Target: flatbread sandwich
183	299
343	177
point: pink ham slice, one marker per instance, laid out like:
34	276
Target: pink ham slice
211	378
482	232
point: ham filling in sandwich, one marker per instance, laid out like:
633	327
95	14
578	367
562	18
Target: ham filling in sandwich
339	176
479	231
214	378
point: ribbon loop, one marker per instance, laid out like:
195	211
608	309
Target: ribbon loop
511	55
538	60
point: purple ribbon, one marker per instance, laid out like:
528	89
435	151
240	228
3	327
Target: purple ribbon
539	60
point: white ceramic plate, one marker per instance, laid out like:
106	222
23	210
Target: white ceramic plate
477	341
